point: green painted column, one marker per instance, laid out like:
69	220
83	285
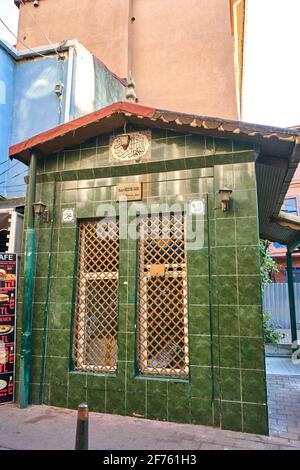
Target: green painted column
29	253
289	265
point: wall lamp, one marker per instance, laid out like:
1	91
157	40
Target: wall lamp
225	198
41	211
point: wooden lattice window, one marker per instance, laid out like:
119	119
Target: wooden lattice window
162	327
96	309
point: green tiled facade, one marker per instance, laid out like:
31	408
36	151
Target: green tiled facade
226	383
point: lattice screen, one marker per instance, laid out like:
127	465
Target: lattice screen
162	298
96	313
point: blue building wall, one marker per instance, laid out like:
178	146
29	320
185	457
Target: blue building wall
7	80
32	106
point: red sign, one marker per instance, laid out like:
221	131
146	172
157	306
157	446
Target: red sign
8	289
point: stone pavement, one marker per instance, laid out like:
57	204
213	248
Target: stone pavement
50	428
282	366
284	406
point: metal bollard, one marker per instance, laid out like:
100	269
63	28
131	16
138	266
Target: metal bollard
82	431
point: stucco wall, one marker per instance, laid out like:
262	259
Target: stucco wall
182	53
7	68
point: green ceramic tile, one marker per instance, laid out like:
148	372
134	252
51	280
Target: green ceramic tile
245	203
198	290
175	147
252	353
157	387
250	320
58	395
200	350
230	384
179	411
34	394
253	386
158	149
65	265
96	400
61	290
115	403
60	316
90	143
88	158
225	232
231	416
67	239
255	419
195	145
157	407
198	262
174	165
230	354
117	382
57	370
225	262
72	160
35	371
226	320
76	396
246	231
244	176
38	311
249	290
223	145
201	412
248	259
37	338
227	290
58	343
199	320
136	404
77	379
202	382
96	381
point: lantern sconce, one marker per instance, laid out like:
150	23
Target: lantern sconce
41	211
225	198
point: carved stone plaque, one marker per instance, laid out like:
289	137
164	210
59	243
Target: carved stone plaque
137	147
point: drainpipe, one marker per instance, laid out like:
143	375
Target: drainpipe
29	252
289	265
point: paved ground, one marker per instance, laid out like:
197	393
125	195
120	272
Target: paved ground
284	406
42	427
282	366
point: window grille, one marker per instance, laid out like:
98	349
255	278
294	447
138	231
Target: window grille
96	308
162	327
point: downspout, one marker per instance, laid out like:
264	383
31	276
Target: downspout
46	310
289	266
69	85
29	253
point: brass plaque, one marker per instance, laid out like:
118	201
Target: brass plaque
157	270
129	192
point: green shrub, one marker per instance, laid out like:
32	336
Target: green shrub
271	335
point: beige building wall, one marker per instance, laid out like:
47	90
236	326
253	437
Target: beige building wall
180	52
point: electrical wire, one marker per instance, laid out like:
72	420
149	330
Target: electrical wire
10	168
36	22
5	161
19	40
15	176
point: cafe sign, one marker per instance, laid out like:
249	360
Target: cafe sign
8	281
